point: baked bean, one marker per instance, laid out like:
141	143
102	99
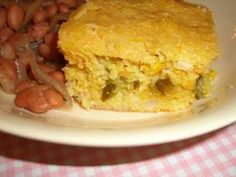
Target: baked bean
40	15
15	16
70	3
58	75
33	99
9	67
45	51
52	10
5	33
23	85
63	8
7	50
3	17
38	31
54	99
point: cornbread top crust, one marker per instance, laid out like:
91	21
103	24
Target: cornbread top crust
140	31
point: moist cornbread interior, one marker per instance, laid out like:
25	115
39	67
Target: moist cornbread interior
138	55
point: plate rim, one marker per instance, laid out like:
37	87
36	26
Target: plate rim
8	125
124	137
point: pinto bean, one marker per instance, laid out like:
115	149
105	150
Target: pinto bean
54	99
19	40
70	3
3	17
55	74
7	50
63	8
5	33
39	99
23	85
41	60
33	99
51	38
46	68
43	68
38	31
9	67
24	58
15	16
40	15
52	10
58	75
45	51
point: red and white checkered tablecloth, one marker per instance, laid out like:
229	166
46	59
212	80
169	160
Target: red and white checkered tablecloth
210	155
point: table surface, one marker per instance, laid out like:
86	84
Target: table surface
213	154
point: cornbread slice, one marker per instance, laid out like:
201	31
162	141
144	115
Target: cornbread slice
138	55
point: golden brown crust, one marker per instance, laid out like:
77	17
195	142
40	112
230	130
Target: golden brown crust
138	30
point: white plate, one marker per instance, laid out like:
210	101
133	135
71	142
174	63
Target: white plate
97	128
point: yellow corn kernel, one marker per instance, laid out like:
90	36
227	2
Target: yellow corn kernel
212	74
156	68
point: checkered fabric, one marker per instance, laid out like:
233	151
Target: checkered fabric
211	155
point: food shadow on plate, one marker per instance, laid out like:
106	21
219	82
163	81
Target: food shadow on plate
18	148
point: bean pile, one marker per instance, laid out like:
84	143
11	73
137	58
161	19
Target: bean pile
30	64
